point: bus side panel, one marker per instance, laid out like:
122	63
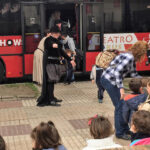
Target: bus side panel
90	60
13	66
28	64
32	42
10	45
141	66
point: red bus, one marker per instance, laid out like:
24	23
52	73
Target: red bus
94	24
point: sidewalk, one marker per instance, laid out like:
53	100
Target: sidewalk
17	118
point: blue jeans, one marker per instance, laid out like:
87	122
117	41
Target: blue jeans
69	76
114	92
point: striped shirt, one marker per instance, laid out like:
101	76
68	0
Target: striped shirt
119	68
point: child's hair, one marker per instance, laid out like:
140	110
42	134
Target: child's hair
100	127
141	121
46	136
2	143
135	85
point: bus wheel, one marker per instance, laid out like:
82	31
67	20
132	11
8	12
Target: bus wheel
2	71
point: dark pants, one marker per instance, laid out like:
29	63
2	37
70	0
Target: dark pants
69	74
99	85
50	91
48	96
114	92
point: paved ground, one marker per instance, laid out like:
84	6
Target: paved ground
17	118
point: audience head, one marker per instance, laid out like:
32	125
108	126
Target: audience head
140	122
135	85
100	127
45	136
139	50
55	32
2	143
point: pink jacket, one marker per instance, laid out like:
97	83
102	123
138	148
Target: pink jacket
145	141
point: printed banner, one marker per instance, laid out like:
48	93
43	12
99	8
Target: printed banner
10	44
121	41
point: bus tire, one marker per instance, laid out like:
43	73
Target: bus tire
2	72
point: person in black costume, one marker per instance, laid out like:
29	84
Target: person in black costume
53	51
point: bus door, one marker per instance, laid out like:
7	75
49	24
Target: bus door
70	14
93	29
32	31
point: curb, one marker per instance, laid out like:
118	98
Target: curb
19	97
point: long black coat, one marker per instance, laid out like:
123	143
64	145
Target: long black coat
53	52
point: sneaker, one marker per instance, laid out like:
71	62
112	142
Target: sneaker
100	100
124	137
53	103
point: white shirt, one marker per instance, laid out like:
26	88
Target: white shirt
98	144
70	42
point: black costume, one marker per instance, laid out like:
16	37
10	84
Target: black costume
51	57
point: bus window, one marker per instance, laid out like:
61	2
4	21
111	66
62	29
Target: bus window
67	14
93	25
10	18
138	17
113	16
32	19
32	27
93	20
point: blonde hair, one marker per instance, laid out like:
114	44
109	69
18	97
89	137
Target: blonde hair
139	49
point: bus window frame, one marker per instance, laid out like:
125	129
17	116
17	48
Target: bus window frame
101	28
84	32
23	34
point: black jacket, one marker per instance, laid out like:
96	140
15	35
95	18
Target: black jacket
55	52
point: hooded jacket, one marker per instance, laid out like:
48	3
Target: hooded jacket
131	105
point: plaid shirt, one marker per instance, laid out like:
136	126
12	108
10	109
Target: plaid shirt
120	67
